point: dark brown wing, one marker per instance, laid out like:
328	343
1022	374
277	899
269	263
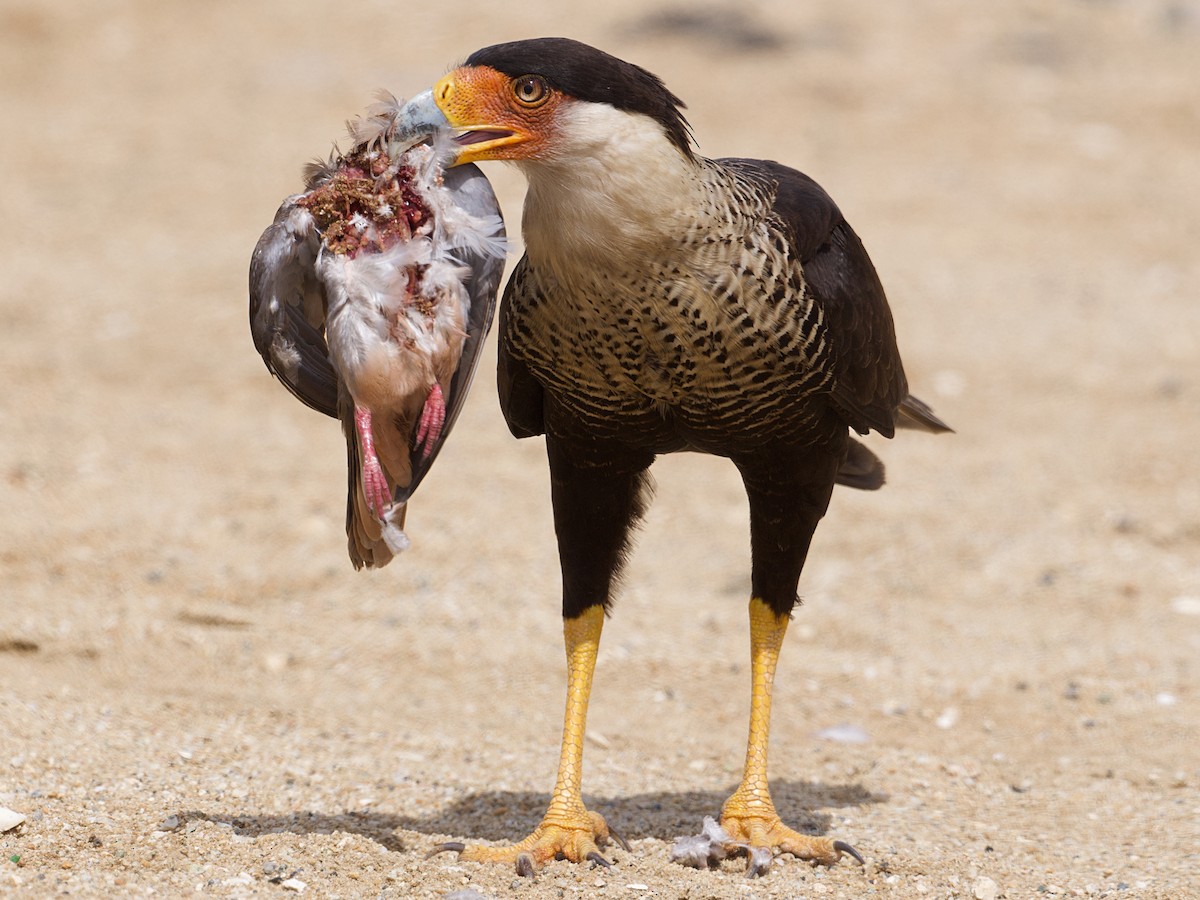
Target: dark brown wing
521	396
868	382
287	308
869	378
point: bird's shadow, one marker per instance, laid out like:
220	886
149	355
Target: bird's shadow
510	815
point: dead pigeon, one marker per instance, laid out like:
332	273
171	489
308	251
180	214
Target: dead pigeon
370	297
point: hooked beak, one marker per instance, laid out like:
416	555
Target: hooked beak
463	105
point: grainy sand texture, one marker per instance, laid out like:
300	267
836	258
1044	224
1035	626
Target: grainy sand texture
990	689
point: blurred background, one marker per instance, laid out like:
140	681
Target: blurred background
1026	177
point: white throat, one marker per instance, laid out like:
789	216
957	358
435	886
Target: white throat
614	186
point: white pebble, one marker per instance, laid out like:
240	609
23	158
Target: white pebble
984	889
1188	606
844	734
9	819
1165	699
948	718
293	884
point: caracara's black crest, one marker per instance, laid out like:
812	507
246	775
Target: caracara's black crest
594	76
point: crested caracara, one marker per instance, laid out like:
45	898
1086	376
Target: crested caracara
670	302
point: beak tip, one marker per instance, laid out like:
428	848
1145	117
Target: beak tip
420	117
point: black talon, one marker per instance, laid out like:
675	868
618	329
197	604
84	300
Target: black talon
621	842
525	867
598	860
843	847
454	846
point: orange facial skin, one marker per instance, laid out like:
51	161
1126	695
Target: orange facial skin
498	117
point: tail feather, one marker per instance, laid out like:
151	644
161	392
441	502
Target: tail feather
861	469
916	414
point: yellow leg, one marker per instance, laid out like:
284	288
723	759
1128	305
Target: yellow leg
568	830
582	639
749	815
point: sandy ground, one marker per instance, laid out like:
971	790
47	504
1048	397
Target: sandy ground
198	694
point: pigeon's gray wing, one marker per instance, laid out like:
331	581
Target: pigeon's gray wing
287	308
473	193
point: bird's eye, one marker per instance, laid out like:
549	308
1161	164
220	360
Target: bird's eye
531	90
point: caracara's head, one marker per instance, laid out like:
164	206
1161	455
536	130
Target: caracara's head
603	143
547	100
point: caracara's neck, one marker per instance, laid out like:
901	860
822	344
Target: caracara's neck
616	186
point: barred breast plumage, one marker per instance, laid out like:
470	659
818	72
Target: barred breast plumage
712	343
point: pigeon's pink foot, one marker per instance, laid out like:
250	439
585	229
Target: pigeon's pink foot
433	417
374	483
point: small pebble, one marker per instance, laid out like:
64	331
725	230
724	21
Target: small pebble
948	718
293	884
9	819
844	734
984	889
1187	606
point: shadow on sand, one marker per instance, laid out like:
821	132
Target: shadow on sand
510	815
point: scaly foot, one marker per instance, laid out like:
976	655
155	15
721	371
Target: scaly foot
749	816
577	837
764	830
374	482
433	417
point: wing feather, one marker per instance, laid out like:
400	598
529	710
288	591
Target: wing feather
868	382
521	395
287	308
